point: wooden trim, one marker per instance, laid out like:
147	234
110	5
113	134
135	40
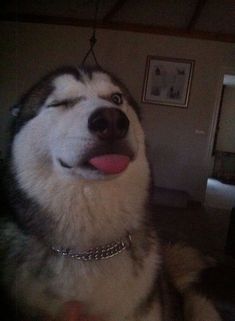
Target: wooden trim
196	14
159	30
218	122
113	11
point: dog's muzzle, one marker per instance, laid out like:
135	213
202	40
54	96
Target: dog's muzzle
111	153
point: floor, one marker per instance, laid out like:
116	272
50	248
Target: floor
220	195
204	227
201	227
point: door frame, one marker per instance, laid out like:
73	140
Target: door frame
212	131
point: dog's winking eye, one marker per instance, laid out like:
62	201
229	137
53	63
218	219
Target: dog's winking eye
117	98
65	103
68	103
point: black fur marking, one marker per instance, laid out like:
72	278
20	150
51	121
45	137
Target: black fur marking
170	300
10	220
218	284
30	103
24	212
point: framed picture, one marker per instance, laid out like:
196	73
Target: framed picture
167	81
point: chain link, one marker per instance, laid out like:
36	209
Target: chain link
98	253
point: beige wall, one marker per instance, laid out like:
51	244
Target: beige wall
226	134
178	155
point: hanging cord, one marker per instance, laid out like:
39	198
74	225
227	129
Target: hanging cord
93	39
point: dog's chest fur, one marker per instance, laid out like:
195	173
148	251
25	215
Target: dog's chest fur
116	289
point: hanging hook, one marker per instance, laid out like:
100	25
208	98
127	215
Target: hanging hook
93	39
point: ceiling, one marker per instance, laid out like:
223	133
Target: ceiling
207	19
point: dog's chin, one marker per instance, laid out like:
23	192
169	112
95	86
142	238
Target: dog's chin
103	164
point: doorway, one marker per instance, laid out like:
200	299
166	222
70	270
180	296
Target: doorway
220	191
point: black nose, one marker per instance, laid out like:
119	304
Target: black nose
108	123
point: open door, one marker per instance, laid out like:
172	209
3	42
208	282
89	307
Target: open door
221	181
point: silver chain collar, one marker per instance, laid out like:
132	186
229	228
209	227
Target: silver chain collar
98	253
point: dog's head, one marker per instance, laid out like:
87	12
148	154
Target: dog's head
78	158
79	123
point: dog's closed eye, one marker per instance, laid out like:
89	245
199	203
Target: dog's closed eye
66	102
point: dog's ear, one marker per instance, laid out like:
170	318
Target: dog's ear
15	110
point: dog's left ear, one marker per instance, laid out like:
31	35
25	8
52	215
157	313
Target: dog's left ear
15	110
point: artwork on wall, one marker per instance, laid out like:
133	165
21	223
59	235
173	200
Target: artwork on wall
167	81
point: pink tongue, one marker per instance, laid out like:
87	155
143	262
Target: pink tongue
110	164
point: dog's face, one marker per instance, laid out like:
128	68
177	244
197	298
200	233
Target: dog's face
78	124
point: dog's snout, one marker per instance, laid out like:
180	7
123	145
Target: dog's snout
108	123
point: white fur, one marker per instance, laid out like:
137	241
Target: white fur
88	207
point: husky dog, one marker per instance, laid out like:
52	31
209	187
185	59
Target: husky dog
78	228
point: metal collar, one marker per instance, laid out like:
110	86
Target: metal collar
98	253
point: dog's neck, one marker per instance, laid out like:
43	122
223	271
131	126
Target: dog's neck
100	212
84	214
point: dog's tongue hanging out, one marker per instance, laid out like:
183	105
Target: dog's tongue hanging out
110	164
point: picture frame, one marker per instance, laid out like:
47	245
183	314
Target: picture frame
167	81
